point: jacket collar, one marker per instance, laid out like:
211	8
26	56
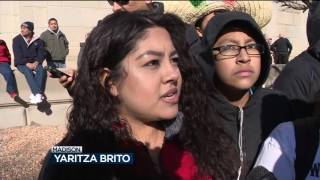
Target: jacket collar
174	127
55	33
34	38
225	107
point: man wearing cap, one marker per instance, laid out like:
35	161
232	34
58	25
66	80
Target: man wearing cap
29	54
56	44
130	6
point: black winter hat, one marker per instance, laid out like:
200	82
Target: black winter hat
216	26
28	25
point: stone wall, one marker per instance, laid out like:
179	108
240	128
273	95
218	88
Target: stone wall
76	19
53	111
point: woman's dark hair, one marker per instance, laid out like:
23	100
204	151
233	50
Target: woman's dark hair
94	108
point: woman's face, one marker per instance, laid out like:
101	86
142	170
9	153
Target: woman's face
150	88
240	71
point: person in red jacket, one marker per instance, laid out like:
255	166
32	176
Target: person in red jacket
5	69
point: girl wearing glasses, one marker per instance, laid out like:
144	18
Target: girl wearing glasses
135	84
234	49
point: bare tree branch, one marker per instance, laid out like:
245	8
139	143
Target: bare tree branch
295	4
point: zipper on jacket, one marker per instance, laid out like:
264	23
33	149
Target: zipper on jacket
240	118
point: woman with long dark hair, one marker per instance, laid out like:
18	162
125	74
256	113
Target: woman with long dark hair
135	84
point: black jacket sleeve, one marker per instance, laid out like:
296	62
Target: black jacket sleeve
296	82
291	84
41	53
17	51
289	46
273	46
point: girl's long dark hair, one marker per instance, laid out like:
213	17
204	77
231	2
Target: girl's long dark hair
94	108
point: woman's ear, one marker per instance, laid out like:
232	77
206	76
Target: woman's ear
105	73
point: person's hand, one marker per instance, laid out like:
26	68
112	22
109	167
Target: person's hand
35	65
68	82
30	66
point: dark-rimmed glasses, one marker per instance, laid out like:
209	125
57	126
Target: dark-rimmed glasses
234	50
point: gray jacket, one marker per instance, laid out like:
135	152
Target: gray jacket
56	45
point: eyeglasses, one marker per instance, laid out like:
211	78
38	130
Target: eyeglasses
120	2
234	50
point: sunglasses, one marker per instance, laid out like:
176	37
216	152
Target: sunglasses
120	2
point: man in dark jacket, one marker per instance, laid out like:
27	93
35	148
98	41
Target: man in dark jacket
28	57
56	44
282	49
237	53
300	79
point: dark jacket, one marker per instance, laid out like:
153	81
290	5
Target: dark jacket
24	53
170	157
56	45
93	142
251	124
300	79
282	46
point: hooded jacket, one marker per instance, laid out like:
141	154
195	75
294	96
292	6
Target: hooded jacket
27	52
300	79
250	125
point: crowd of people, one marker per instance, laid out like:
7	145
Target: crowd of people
186	99
30	51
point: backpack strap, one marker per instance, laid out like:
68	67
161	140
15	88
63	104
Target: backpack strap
307	141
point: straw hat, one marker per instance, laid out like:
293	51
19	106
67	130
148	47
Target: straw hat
261	11
192	10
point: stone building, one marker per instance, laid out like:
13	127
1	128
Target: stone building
292	24
77	18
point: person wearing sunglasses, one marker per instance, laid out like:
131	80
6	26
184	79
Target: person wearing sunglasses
117	5
130	6
235	50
